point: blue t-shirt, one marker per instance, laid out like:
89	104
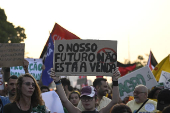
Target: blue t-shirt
5	100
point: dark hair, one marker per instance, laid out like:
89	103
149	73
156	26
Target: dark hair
166	109
152	92
36	98
44	87
65	82
97	81
163	99
120	108
12	77
74	92
164	95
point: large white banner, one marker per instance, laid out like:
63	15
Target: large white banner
53	102
85	57
165	79
128	82
34	68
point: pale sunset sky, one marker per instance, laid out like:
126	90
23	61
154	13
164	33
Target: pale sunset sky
138	25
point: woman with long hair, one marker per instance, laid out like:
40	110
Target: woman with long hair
28	96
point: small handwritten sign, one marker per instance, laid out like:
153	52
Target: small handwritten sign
165	79
34	68
11	54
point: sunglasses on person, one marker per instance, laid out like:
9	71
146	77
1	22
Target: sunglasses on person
29	83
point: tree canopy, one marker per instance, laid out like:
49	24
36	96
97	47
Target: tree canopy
8	32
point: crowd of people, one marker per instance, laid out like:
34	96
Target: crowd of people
24	95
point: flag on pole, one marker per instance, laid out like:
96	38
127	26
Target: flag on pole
164	65
151	61
46	79
58	33
125	68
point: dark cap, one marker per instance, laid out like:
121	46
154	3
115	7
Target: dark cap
88	91
163	99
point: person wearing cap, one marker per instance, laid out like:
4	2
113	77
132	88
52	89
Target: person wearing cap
141	104
88	96
101	87
163	99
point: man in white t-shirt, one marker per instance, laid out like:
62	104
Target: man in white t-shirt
140	96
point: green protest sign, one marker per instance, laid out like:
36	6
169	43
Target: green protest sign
34	68
128	82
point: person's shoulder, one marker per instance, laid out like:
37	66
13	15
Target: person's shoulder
106	99
130	102
4	98
10	104
7	108
152	101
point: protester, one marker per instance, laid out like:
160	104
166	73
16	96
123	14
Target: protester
153	94
163	99
11	86
66	85
88	96
120	108
74	97
44	89
28	96
101	86
141	103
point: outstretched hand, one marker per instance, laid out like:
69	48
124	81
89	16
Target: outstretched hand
116	74
53	75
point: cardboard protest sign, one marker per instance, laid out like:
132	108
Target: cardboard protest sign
165	79
128	82
81	81
85	57
12	54
34	68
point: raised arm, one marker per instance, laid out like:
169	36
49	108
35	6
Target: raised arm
115	92
25	65
66	103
